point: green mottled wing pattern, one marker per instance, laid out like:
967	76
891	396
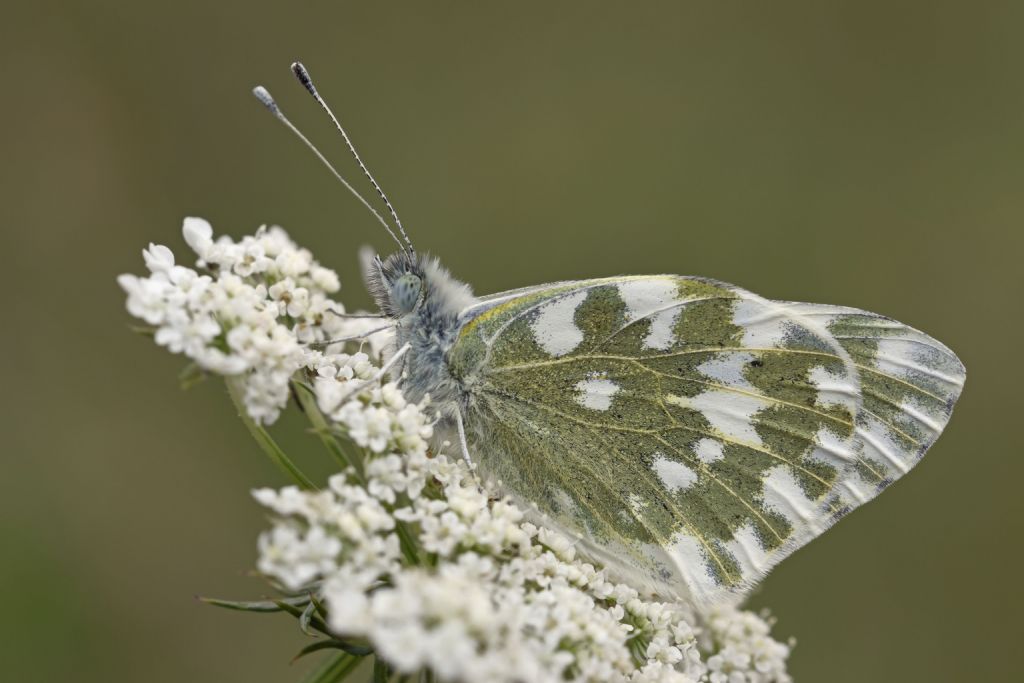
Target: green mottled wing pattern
690	433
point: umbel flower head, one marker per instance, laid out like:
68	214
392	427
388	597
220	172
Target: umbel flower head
405	555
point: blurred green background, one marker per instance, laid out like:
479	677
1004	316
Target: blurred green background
860	153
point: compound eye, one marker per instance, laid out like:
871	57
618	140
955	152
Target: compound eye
405	293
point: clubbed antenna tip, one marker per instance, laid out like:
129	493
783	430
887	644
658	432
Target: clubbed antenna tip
263	95
303	75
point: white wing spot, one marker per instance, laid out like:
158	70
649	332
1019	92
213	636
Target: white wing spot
661	334
830	447
764	322
709	451
674	475
917	411
596	393
783	495
645	296
729	413
727	369
555	328
833	390
746	547
877	436
691	560
646	299
857	496
893	357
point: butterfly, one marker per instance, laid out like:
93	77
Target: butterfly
689	433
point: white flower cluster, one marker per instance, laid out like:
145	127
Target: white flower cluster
744	650
248	309
407	550
495	598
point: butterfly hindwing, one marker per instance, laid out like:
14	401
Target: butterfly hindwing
692	433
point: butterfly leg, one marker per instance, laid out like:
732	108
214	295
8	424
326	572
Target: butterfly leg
379	374
462	440
355	337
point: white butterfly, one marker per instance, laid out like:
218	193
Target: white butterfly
689	433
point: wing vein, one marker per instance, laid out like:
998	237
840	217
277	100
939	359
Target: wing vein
713	349
654	432
602	478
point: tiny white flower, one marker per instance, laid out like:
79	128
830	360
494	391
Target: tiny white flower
326	279
293	263
159	259
198	235
182	334
147	297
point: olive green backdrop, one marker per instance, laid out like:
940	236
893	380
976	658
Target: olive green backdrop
867	154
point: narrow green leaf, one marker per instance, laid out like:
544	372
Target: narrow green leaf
313	621
307	399
304	619
335	669
250	605
321	610
354	650
290	609
269	446
190	375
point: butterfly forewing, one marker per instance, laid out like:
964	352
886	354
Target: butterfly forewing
691	433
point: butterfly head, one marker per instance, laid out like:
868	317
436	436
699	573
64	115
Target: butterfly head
396	283
407	283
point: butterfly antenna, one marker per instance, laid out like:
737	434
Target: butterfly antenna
307	82
263	95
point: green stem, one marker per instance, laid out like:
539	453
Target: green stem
335	669
407	543
307	399
263	438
